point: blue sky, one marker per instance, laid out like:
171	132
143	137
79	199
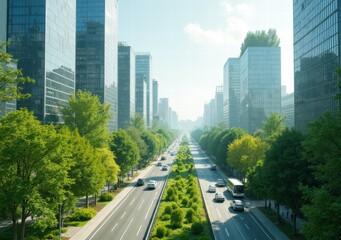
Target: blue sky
190	41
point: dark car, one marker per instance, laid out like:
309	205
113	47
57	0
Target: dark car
213	167
163	158
140	182
221	182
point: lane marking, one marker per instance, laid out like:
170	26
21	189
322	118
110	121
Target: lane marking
138	230
218	212
140	204
247	226
123	215
114	227
259	226
227	232
126	228
238	228
132	202
148	211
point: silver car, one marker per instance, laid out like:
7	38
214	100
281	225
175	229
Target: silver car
237	205
219	197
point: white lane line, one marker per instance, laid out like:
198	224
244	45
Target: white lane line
260	226
123	215
218	212
227	232
148	211
238	228
140	204
126	228
132	202
138	231
114	227
247	226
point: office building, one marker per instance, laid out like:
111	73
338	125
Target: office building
260	89
42	37
316	57
219	104
126	84
173	119
155	99
96	51
143	67
232	92
210	114
288	107
164	110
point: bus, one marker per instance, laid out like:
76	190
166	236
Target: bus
235	187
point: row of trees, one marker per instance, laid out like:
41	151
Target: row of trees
45	168
298	170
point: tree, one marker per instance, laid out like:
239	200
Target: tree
272	127
260	39
85	113
30	153
323	148
11	79
135	134
125	150
137	122
111	168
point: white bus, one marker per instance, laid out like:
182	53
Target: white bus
235	187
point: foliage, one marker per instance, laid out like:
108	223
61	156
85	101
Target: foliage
137	122
11	80
89	116
272	128
106	197
190	215
260	39
197	228
176	218
108	160
83	214
161	231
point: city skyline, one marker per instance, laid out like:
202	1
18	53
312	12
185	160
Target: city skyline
190	43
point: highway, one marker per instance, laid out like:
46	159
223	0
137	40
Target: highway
226	223
130	219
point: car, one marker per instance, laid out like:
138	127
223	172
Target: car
172	153
159	164
163	158
237	205
140	182
151	184
213	167
164	168
219	197
212	188
221	182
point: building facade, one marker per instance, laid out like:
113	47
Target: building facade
232	92
144	74
155	99
42	37
96	52
164	110
316	57
126	84
288	107
260	86
219	103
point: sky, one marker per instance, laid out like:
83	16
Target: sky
191	40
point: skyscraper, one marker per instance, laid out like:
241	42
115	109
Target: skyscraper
155	98
219	104
143	67
316	57
164	110
96	54
42	37
232	92
260	89
287	109
126	84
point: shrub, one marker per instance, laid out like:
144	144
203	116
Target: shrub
176	218
195	199
190	215
184	201
106	197
190	189
197	228
168	210
83	214
160	231
175	206
178	177
166	217
195	206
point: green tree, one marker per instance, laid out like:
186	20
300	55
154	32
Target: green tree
260	39
136	136
272	127
31	153
11	79
323	148
90	117
111	168
137	121
125	150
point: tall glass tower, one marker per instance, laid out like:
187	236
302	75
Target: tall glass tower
96	51
42	37
316	58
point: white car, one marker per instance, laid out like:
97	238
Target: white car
212	188
219	197
151	184
237	205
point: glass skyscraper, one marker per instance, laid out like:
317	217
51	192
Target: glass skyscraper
316	58
126	84
260	86
155	99
144	73
42	37
96	51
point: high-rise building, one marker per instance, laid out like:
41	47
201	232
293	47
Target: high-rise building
164	110
3	21
210	114
173	119
288	107
143	67
219	103
42	37
126	84
96	54
260	89
232	92
155	99
316	57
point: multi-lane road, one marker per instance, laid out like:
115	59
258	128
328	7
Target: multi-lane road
226	223
131	218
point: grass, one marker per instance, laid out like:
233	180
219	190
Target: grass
284	226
